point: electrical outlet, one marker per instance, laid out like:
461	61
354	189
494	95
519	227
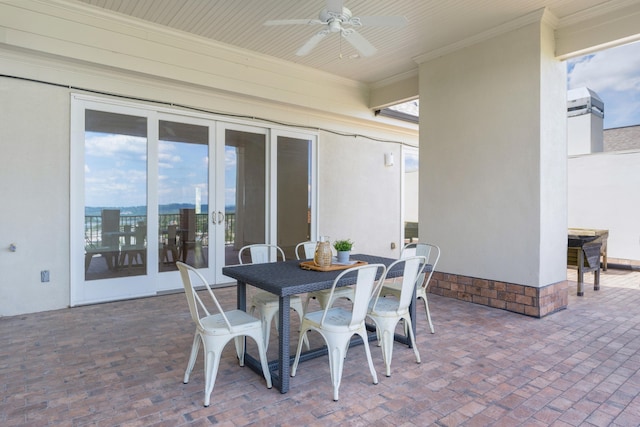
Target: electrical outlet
44	276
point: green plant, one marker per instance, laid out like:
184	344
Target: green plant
343	245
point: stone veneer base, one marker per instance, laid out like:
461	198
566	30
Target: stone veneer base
527	300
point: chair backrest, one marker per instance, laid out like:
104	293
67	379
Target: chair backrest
127	234
309	250
260	253
140	234
196	306
172	232
431	252
110	224
188	223
364	289
411	275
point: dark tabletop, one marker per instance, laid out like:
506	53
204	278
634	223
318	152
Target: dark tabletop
287	278
575	241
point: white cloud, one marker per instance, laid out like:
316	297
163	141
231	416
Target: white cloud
614	74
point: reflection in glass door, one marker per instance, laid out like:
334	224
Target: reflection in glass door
149	188
183	195
115	196
294	201
410	194
245	186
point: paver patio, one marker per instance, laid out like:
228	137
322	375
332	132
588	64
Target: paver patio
122	364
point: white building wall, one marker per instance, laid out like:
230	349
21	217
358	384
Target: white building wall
585	134
359	197
603	194
492	194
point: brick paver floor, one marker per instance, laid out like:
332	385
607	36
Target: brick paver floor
122	364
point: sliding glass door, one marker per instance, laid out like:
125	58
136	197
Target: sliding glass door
110	213
150	188
185	171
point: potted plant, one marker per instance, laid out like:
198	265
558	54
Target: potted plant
343	247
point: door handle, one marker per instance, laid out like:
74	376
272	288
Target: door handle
220	217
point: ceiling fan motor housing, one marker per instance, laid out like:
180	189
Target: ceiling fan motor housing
335	20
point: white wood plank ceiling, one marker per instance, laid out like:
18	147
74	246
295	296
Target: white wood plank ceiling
432	25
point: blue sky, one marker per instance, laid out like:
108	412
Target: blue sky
614	74
116	171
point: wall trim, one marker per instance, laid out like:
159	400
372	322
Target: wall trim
521	299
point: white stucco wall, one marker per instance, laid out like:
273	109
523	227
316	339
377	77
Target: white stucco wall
34	186
603	194
486	192
359	197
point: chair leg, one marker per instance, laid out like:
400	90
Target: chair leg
386	335
239	342
262	351
407	322
87	261
192	357
306	304
266	318
367	350
426	308
303	333
211	362
336	365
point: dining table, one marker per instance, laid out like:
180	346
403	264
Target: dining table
287	278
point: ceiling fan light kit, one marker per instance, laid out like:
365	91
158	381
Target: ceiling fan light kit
335	17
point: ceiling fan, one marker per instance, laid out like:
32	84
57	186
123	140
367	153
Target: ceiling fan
335	18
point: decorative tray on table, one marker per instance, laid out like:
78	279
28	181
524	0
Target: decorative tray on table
310	265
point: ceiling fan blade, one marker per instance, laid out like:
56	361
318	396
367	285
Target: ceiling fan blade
361	44
334	6
382	21
312	42
293	22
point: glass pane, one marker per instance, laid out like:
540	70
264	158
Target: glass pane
115	195
183	194
294	197
245	191
411	196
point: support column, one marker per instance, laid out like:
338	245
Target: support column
493	166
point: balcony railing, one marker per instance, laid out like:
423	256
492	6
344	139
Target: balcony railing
93	226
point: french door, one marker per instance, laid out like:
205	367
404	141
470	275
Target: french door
150	187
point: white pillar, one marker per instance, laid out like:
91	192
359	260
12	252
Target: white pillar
493	158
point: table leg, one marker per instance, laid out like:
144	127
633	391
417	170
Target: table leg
580	273
283	343
241	296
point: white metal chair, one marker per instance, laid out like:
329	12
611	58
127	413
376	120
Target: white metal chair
337	325
308	250
432	253
110	245
135	249
216	330
266	303
322	296
387	312
170	245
